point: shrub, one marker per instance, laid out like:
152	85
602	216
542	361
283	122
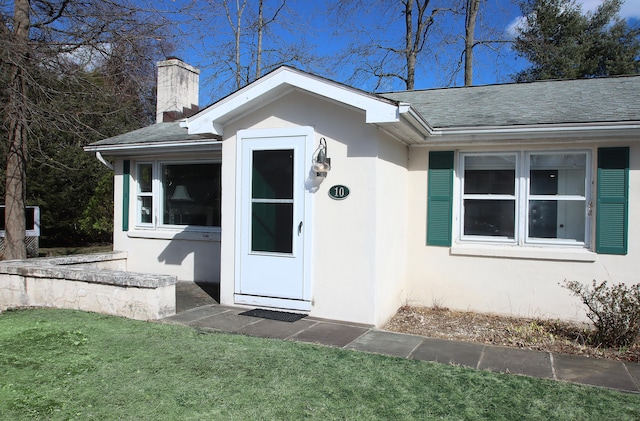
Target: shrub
614	311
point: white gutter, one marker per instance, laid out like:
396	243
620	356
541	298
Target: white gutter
575	132
104	161
155	146
537	129
416	119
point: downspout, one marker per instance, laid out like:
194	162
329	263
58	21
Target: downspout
104	161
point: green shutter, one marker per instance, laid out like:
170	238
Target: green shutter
126	171
440	198
612	206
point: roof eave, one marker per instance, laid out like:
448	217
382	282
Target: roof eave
539	133
280	82
410	129
156	147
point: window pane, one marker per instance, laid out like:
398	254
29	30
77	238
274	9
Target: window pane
489	182
191	194
543	218
562	174
145	178
560	219
272	227
489	162
30	215
490	174
544	182
489	217
145	205
272	174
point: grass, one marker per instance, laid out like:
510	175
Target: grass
62	365
66	251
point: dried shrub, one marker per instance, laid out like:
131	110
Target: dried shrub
614	311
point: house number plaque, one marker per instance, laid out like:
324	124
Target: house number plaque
339	192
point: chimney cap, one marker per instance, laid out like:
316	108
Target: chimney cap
174	61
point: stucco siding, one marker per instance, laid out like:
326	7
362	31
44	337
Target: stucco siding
344	264
528	219
190	256
391	228
525	286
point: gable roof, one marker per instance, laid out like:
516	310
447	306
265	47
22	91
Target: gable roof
280	82
614	99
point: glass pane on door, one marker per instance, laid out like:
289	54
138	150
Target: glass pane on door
272	174
271	225
272	201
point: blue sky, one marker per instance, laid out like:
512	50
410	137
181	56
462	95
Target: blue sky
203	38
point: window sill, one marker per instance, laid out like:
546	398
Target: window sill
519	252
176	235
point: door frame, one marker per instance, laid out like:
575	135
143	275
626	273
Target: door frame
281	303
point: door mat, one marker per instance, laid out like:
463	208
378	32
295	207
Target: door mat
282	316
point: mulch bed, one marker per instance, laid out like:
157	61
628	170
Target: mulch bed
535	334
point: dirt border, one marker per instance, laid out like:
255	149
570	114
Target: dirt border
518	332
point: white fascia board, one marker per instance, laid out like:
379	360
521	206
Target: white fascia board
573	133
416	119
411	128
277	84
134	148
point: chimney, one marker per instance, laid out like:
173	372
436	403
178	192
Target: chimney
177	95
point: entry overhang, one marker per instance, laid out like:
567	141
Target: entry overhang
280	82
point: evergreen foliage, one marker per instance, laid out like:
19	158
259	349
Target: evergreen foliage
71	72
562	42
74	190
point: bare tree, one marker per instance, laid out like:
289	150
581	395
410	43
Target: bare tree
16	114
261	26
248	38
478	32
395	45
471	14
46	42
415	38
236	28
381	55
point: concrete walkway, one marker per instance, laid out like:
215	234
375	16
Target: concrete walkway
198	309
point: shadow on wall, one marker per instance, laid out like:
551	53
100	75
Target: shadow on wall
206	259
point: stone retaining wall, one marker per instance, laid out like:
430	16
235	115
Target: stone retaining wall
93	282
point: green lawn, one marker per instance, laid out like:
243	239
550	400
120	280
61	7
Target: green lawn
66	251
57	364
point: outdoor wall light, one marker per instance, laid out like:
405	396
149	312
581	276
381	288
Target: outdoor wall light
321	164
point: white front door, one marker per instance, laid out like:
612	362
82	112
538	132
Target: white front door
273	230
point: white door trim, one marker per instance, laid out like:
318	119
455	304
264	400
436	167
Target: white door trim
303	304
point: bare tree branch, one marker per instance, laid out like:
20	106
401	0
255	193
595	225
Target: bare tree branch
58	57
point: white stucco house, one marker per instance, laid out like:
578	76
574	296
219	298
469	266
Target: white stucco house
483	198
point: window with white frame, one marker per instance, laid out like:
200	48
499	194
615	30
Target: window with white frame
178	194
525	197
144	175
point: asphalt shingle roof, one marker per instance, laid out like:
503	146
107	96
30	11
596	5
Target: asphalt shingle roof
545	102
156	133
615	99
